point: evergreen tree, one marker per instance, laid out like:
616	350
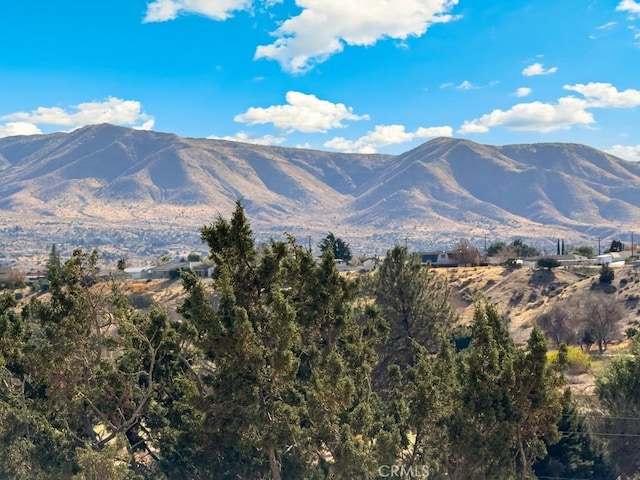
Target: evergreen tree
618	391
578	454
87	365
510	403
286	390
339	248
415	301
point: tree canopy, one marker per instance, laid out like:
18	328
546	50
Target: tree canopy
271	372
340	248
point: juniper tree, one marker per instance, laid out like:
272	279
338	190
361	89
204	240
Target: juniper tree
414	299
287	362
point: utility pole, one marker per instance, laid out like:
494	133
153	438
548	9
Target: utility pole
632	244
598	245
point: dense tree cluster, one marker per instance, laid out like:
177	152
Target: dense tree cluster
282	369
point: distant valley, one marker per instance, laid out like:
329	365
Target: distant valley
104	179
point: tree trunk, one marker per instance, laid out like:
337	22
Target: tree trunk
274	464
523	457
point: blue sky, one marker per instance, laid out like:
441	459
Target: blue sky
344	75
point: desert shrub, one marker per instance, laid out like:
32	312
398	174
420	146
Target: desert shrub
577	361
606	274
548	262
141	301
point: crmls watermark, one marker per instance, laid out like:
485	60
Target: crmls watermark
400	471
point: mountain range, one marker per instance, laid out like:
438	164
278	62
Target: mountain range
446	188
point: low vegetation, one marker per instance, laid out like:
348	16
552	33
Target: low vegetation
283	368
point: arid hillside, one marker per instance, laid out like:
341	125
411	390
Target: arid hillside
108	177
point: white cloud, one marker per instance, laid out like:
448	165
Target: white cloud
628	6
538	69
18	128
607	25
534	116
164	10
247	138
112	110
567	112
466	85
631	153
446	85
523	92
601	95
384	135
305	113
324	27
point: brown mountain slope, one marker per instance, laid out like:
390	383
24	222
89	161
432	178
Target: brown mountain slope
445	187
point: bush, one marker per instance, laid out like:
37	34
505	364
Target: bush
606	274
141	301
548	262
577	361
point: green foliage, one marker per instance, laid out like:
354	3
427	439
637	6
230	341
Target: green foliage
575	362
522	250
414	299
578	454
194	257
509	403
548	263
122	263
269	374
293	362
607	274
618	390
494	248
81	369
339	247
584	250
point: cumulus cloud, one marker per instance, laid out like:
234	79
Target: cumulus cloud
384	135
466	85
112	110
164	10
538	69
604	95
630	6
18	128
324	27
304	113
631	153
534	116
567	112
523	92
244	137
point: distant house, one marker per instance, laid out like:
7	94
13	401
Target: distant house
172	270
439	259
567	260
139	273
613	259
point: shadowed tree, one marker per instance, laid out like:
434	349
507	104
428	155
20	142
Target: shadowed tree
339	247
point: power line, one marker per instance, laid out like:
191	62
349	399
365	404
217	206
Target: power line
604	434
603	416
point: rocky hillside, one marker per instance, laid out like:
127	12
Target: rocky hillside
108	175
